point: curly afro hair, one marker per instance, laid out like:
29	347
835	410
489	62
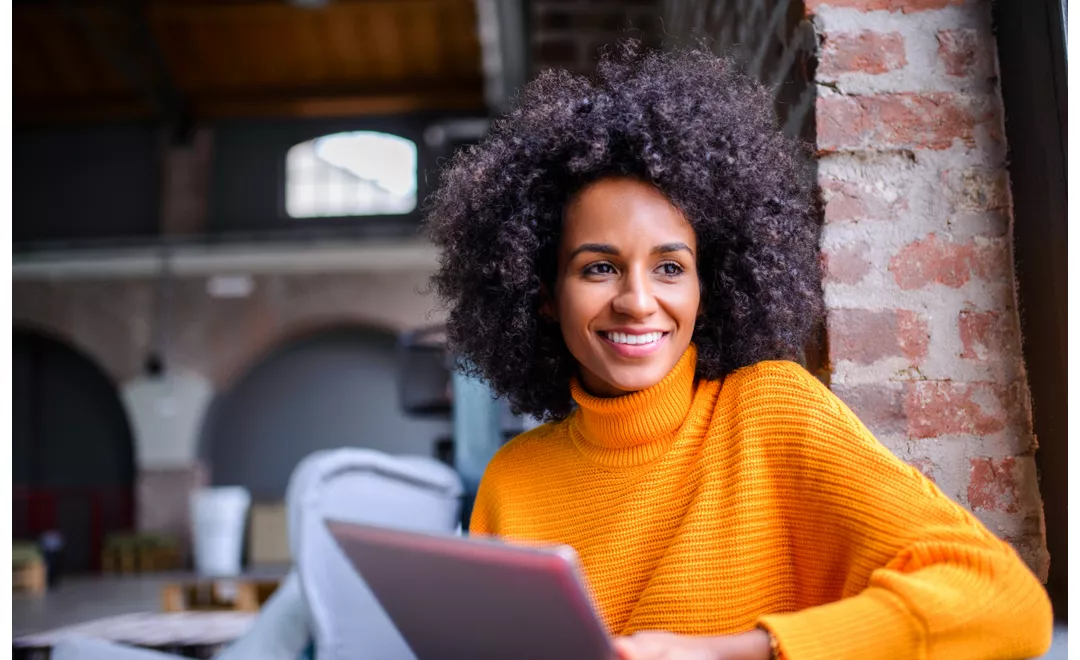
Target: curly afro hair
688	123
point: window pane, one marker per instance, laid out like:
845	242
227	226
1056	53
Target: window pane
349	174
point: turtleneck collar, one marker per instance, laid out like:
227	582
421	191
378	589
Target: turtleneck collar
638	427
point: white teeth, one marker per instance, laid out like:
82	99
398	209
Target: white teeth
634	340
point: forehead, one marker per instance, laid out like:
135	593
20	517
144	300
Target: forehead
623	212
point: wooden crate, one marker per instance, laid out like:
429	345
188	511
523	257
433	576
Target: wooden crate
135	553
28	571
239	594
29	576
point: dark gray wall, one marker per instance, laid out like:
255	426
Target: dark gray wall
87	183
69	427
70	439
336	389
104	182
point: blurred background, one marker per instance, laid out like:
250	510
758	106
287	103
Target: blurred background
219	269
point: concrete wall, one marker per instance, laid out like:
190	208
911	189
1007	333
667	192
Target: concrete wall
917	243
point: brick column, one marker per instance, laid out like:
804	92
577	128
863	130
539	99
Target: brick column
919	286
186	183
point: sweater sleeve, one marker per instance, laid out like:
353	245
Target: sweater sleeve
923	577
481	521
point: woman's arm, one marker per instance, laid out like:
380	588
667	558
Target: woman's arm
926	578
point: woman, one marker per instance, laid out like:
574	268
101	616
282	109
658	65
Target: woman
634	259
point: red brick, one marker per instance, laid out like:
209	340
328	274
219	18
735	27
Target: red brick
896	121
846	201
935	407
864	337
905	6
879	406
984	335
864	52
936	260
992	486
958	51
846	264
913	334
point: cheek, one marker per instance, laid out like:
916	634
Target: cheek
578	308
688	305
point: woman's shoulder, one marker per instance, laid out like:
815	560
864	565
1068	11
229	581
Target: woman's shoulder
524	450
777	377
785	390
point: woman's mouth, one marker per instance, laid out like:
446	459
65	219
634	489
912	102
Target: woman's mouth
628	344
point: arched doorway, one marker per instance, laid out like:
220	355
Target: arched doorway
72	456
334	388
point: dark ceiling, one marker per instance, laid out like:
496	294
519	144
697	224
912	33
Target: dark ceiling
192	60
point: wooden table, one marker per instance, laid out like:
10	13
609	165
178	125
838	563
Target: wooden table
245	594
189	634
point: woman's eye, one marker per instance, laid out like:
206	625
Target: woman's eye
671	269
600	269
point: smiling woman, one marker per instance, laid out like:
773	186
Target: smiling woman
635	259
707	157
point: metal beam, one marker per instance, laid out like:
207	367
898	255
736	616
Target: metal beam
177	110
504	49
407	255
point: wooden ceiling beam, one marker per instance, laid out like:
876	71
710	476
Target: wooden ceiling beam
61	111
81	111
336	106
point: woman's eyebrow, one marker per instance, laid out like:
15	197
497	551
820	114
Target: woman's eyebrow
602	248
672	247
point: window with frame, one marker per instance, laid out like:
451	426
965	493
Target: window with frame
355	173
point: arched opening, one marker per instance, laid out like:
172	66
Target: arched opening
72	454
333	388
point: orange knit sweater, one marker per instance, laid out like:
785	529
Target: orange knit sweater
704	508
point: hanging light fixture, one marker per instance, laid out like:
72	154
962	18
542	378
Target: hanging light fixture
159	338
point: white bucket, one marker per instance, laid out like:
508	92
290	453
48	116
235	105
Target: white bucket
218	518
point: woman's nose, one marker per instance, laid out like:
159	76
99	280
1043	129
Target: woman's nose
635	299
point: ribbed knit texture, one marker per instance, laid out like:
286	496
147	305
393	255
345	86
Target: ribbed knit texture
704	508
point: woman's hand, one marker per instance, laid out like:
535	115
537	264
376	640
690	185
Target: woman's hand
753	645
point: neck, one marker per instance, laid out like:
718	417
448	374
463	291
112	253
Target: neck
638	426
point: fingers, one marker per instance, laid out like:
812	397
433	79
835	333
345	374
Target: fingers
644	646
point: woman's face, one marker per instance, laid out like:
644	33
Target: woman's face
626	292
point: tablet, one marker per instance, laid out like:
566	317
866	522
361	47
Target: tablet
452	597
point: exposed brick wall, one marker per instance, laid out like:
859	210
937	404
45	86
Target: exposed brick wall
923	328
569	34
218	338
